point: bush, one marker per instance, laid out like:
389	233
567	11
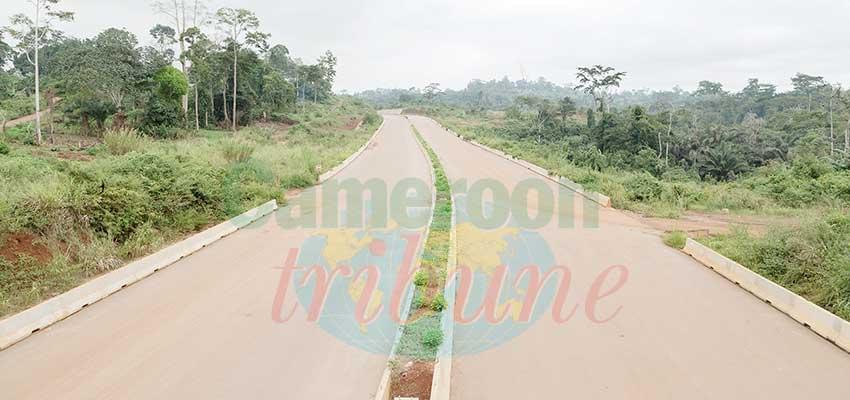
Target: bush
121	142
4	148
422	278
643	187
676	239
439	303
421	301
171	83
161	116
433	338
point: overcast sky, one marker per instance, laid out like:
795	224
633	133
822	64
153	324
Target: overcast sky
660	43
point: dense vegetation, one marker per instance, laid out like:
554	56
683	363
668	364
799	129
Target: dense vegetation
110	81
133	154
63	221
755	152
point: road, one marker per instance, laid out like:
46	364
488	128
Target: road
202	328
683	332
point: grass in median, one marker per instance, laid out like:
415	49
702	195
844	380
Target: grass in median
422	337
429	301
64	221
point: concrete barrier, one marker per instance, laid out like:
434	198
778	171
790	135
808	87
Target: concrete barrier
336	170
821	321
23	324
598	198
441	384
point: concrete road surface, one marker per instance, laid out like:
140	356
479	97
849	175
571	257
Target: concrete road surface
683	332
202	328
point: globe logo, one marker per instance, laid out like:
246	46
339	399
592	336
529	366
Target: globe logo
356	283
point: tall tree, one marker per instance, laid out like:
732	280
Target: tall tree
709	88
30	32
432	90
808	85
597	80
242	26
566	107
184	14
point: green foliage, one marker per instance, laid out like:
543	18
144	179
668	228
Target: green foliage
235	150
121	142
422	278
439	303
413	343
675	239
171	83
812	260
138	194
643	187
161	117
432	339
4	148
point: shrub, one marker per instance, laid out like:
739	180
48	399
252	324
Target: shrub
235	150
171	83
432	338
643	187
4	148
421	301
422	278
121	142
161	116
439	303
675	239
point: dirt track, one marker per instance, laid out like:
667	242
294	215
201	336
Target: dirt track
202	328
683	331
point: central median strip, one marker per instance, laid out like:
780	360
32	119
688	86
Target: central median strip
425	333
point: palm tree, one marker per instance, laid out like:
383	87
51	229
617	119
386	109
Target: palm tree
722	162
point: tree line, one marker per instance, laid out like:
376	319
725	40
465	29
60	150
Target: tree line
709	133
202	69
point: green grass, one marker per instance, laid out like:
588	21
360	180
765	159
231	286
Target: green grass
121	142
812	260
421	339
139	194
675	239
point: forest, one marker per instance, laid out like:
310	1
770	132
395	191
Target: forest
228	72
760	174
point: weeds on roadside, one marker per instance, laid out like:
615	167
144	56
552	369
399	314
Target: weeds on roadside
124	141
676	239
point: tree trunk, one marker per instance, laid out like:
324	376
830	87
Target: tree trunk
37	77
235	58
831	129
224	104
847	140
197	112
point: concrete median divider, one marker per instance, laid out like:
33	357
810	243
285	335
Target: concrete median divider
441	384
23	324
821	321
